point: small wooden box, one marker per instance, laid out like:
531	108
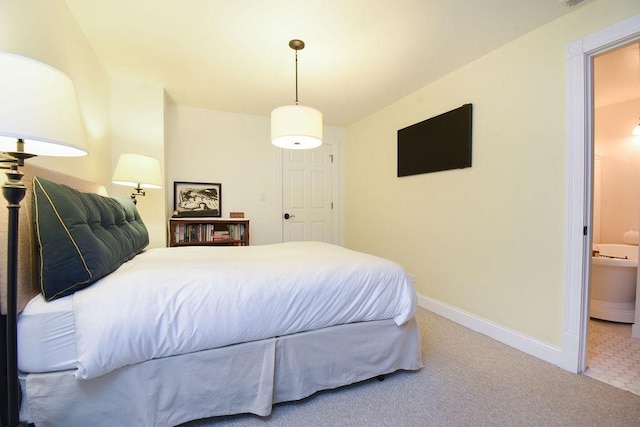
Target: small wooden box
236	214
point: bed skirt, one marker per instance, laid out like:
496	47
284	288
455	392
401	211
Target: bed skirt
243	378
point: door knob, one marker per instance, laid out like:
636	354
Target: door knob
287	216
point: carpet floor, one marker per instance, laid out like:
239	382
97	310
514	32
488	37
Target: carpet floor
468	380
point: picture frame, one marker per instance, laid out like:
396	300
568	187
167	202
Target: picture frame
197	199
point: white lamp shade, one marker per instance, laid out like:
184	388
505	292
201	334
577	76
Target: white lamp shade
296	127
38	104
135	169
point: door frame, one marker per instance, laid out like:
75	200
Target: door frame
580	157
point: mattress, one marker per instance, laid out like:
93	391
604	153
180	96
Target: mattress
47	336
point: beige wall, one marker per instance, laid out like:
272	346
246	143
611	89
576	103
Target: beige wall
619	153
119	115
620	199
137	126
234	150
46	31
489	240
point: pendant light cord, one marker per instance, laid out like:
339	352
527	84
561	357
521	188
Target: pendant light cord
296	77
296	45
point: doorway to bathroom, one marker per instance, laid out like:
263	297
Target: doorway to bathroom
613	355
580	163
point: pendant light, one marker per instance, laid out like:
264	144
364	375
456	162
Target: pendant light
296	126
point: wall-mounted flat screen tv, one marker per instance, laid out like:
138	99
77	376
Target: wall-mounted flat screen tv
437	144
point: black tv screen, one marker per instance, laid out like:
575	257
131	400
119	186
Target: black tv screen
437	144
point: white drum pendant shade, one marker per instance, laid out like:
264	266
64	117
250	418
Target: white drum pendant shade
296	127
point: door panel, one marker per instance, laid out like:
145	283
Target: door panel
306	194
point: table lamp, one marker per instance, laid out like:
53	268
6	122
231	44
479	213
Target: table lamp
139	172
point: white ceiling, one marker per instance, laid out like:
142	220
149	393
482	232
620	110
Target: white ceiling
360	55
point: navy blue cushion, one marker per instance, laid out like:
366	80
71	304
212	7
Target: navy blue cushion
81	237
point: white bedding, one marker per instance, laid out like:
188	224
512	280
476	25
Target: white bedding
47	332
170	301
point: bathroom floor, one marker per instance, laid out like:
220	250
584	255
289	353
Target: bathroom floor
613	355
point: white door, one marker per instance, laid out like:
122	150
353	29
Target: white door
307	207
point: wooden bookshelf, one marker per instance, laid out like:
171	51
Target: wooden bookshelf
208	231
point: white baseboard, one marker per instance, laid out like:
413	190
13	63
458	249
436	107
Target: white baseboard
517	340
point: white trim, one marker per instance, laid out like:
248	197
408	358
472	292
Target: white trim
579	183
279	192
575	302
635	329
335	190
496	331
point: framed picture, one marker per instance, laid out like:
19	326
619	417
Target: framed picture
197	199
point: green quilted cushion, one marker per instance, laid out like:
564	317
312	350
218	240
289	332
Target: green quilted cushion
81	237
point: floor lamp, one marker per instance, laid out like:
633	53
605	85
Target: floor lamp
39	116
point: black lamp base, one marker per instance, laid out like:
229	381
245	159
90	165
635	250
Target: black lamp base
13	191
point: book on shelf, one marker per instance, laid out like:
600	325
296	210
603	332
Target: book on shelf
187	232
236	231
221	235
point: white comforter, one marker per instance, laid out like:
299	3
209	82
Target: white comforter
170	301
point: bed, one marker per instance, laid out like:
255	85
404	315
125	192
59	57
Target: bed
159	337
